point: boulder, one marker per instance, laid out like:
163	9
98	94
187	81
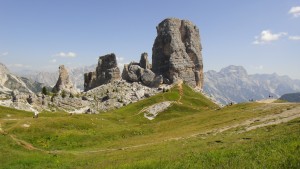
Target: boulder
157	81
140	94
147	77
132	72
176	52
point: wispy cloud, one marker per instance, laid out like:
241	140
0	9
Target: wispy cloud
53	60
267	36
4	54
294	37
19	65
295	11
66	54
260	67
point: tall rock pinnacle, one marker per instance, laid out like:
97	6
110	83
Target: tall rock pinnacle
107	71
64	82
176	53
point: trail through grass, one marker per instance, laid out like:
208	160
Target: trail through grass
194	133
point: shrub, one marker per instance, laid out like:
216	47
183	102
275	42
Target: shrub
63	94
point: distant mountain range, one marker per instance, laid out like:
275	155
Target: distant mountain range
230	84
234	84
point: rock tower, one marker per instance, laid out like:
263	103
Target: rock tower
64	82
107	71
176	53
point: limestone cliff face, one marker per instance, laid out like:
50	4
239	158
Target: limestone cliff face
10	82
64	82
107	71
176	52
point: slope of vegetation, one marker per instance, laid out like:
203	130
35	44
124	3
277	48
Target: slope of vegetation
192	133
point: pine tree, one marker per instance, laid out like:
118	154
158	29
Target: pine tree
44	91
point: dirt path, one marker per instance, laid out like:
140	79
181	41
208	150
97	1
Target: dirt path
250	124
180	91
284	117
266	101
24	144
1	131
258	122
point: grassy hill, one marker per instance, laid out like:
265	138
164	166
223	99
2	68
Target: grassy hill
192	133
291	97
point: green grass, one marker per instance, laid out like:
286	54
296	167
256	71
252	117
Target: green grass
280	101
105	140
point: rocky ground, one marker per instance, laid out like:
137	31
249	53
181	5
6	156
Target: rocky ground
103	98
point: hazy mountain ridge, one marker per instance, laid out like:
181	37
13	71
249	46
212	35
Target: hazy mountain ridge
234	84
50	78
291	97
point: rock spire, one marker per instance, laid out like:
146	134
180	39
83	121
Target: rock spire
176	52
64	83
107	71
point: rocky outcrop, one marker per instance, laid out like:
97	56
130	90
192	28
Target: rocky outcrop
176	52
107	71
152	111
64	83
141	72
117	94
144	63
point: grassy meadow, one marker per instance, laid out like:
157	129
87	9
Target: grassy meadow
186	135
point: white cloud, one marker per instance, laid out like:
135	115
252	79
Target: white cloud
4	54
295	11
267	36
53	61
120	59
66	54
260	67
294	37
18	65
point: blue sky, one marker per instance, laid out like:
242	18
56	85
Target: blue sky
261	35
